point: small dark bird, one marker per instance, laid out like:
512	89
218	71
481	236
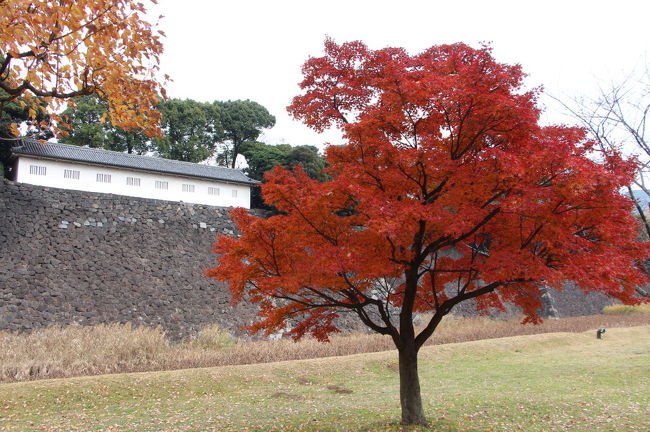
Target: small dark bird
599	333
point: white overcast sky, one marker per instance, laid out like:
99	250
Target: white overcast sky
254	49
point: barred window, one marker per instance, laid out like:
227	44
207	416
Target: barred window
71	174
188	187
133	181
37	170
162	185
234	193
213	191
104	178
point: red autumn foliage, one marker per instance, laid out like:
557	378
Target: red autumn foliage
447	190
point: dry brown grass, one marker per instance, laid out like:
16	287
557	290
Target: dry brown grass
71	351
625	309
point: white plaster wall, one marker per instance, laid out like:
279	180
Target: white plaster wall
88	182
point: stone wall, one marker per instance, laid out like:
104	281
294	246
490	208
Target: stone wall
70	257
571	301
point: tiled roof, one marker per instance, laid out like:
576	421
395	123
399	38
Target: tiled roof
31	147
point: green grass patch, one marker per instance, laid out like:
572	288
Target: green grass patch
547	382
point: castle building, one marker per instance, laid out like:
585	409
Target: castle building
97	170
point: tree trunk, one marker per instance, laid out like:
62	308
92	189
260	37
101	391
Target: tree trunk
235	152
409	387
644	219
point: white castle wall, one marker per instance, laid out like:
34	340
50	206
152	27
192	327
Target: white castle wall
229	194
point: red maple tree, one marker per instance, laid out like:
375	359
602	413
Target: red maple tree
447	190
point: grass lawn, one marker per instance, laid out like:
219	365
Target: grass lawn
546	382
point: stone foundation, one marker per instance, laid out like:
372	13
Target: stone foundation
70	257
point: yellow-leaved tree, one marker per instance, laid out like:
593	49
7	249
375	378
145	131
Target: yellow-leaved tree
53	50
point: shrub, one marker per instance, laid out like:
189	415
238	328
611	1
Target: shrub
626	310
212	338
